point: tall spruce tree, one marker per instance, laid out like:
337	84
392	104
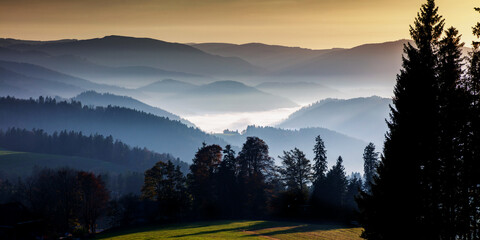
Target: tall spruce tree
453	111
405	192
471	171
335	188
320	167
320	161
370	163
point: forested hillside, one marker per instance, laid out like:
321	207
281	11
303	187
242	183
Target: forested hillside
130	126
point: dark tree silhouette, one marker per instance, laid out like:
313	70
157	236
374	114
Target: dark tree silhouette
406	192
472	140
296	173
165	184
296	170
320	167
370	158
93	198
227	182
453	112
336	187
255	173
201	179
353	190
65	199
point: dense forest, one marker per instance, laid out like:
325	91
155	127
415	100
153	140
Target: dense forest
132	127
76	144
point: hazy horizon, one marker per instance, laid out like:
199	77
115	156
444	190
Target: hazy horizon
315	24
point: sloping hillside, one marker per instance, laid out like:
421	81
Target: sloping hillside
130	126
363	118
39	72
92	98
19	85
370	63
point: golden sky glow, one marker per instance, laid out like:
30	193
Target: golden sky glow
306	23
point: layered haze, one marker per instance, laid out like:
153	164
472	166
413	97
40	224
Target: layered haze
193	93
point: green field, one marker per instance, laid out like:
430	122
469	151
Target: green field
238	230
22	163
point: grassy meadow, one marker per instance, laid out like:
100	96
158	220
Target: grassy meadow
237	230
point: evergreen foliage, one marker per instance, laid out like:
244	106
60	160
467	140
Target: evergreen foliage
336	186
370	158
428	175
71	143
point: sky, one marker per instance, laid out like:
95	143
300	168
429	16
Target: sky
315	24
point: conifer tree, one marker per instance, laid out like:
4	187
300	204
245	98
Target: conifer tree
453	109
320	160
370	158
405	192
336	187
320	167
471	171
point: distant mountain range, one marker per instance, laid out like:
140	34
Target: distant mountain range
28	80
269	57
280	140
219	96
45	81
363	118
120	51
373	64
134	62
167	87
129	76
19	85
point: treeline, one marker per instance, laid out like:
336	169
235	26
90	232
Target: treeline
58	203
220	184
428	183
95	146
223	184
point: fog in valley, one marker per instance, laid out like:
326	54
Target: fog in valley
214	93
